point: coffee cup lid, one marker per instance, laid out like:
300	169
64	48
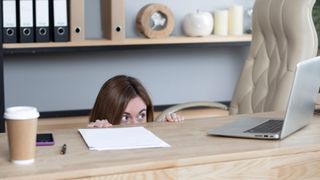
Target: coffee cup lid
21	113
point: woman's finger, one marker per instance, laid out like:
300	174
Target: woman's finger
169	118
91	125
174	117
182	118
99	124
106	123
177	117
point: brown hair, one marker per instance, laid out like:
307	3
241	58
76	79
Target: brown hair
114	97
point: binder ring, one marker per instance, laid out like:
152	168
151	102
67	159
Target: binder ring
155	21
42	31
10	32
118	28
77	30
60	31
26	31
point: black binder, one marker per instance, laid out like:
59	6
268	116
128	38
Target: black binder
2	121
26	31
42	31
9	29
60	20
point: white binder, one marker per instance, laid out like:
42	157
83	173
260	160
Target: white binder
42	20
26	32
9	29
60	20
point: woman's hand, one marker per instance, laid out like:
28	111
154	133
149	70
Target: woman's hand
100	124
174	118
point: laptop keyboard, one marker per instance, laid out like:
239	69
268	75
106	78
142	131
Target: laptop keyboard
271	126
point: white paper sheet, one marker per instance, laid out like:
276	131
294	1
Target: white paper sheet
121	138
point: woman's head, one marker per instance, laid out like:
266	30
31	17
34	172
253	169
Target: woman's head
118	98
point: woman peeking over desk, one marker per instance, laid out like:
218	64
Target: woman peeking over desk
123	100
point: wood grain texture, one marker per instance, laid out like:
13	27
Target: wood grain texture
134	41
193	155
298	166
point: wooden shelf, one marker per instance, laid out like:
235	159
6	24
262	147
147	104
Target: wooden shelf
185	41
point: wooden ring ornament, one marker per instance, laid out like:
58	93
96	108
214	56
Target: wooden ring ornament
144	17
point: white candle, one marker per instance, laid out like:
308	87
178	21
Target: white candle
236	20
221	22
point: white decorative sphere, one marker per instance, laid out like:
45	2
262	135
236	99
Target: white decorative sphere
198	24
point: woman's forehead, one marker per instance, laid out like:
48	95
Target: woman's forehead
135	106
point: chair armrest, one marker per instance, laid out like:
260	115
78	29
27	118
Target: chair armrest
179	107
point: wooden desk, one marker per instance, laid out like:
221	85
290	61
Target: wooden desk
193	155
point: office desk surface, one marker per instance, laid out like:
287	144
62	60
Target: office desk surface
193	155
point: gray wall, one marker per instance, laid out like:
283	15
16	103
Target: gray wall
60	81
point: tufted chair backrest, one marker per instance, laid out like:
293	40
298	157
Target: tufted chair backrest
283	35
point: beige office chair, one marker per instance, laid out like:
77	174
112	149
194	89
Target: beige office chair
283	35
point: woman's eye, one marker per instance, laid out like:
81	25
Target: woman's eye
125	118
142	116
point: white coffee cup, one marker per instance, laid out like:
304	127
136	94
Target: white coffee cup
22	122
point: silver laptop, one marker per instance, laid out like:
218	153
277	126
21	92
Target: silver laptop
298	114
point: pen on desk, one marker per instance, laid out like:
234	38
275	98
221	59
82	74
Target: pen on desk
63	149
